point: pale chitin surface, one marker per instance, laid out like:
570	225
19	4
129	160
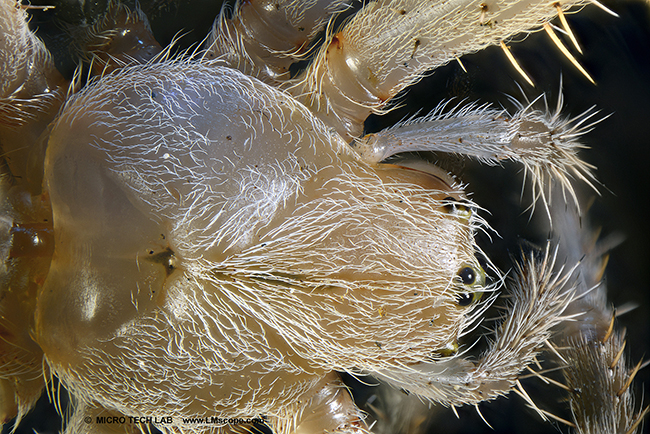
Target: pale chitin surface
212	237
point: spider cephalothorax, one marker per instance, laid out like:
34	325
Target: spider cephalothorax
211	235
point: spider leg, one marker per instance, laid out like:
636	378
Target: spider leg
544	142
120	38
31	93
597	375
264	38
329	409
389	45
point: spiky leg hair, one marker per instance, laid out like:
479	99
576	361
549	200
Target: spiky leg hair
543	141
597	377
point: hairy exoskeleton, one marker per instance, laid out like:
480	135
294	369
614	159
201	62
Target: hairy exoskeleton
224	239
597	376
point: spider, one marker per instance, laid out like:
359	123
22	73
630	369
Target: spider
185	240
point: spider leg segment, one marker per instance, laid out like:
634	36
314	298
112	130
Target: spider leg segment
31	94
329	409
597	374
358	72
545	143
120	38
263	38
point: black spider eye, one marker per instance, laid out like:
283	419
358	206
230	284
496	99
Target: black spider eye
467	275
465	298
474	278
462	208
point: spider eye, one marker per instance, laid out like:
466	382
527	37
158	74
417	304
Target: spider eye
462	208
467	275
474	278
465	299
